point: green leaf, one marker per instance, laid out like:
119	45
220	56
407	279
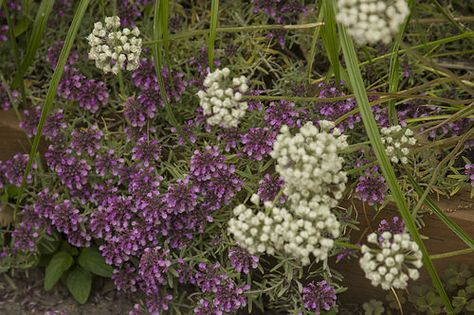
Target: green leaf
373	133
314	41
330	39
91	260
60	262
53	85
79	282
39	26
21	27
212	32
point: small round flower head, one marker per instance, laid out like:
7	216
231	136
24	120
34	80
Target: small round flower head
7	97
182	196
281	113
221	100
372	21
242	260
153	269
394	226
371	187
13	169
258	142
52	129
146	151
86	140
309	163
108	162
319	296
137	113
72	171
394	261
71	84
397	141
114	49
92	95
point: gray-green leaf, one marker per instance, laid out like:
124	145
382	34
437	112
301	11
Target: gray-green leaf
91	260
60	262
79	283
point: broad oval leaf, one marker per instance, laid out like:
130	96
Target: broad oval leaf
60	262
91	260
79	282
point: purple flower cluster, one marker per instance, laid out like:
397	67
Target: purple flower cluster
136	113
258	142
5	100
394	226
269	187
146	151
200	62
55	50
130	11
13	170
230	137
27	232
469	171
14	7
318	297
371	187
108	162
71	170
242	260
153	269
90	94
52	129
154	305
335	109
222	294
86	140
150	94
182	196
281	113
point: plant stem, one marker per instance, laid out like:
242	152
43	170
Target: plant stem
452	253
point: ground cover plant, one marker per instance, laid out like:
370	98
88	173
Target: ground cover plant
203	155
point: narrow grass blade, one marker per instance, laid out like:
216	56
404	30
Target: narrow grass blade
370	125
212	32
456	229
394	69
53	85
14	47
34	41
330	39
158	58
314	40
164	13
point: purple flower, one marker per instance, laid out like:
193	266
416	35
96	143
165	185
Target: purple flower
52	127
71	84
146	151
269	187
72	171
62	7
68	220
335	109
242	260
130	11
55	49
4	33
5	101
126	278
469	171
92	95
230	137
319	296
86	140
186	133
394	226
107	162
181	196
14	169
258	142
26	233
371	187
205	164
154	305
281	113
143	183
137	112
200	62
153	269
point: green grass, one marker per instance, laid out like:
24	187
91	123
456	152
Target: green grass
212	33
51	94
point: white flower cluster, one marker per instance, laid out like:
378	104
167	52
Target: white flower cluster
372	21
113	48
310	165
397	260
222	99
280	230
311	168
397	142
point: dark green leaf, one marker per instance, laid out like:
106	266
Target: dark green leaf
79	284
21	27
60	262
91	260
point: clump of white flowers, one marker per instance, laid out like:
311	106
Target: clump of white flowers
310	165
395	261
397	142
372	21
312	170
222	101
113	48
